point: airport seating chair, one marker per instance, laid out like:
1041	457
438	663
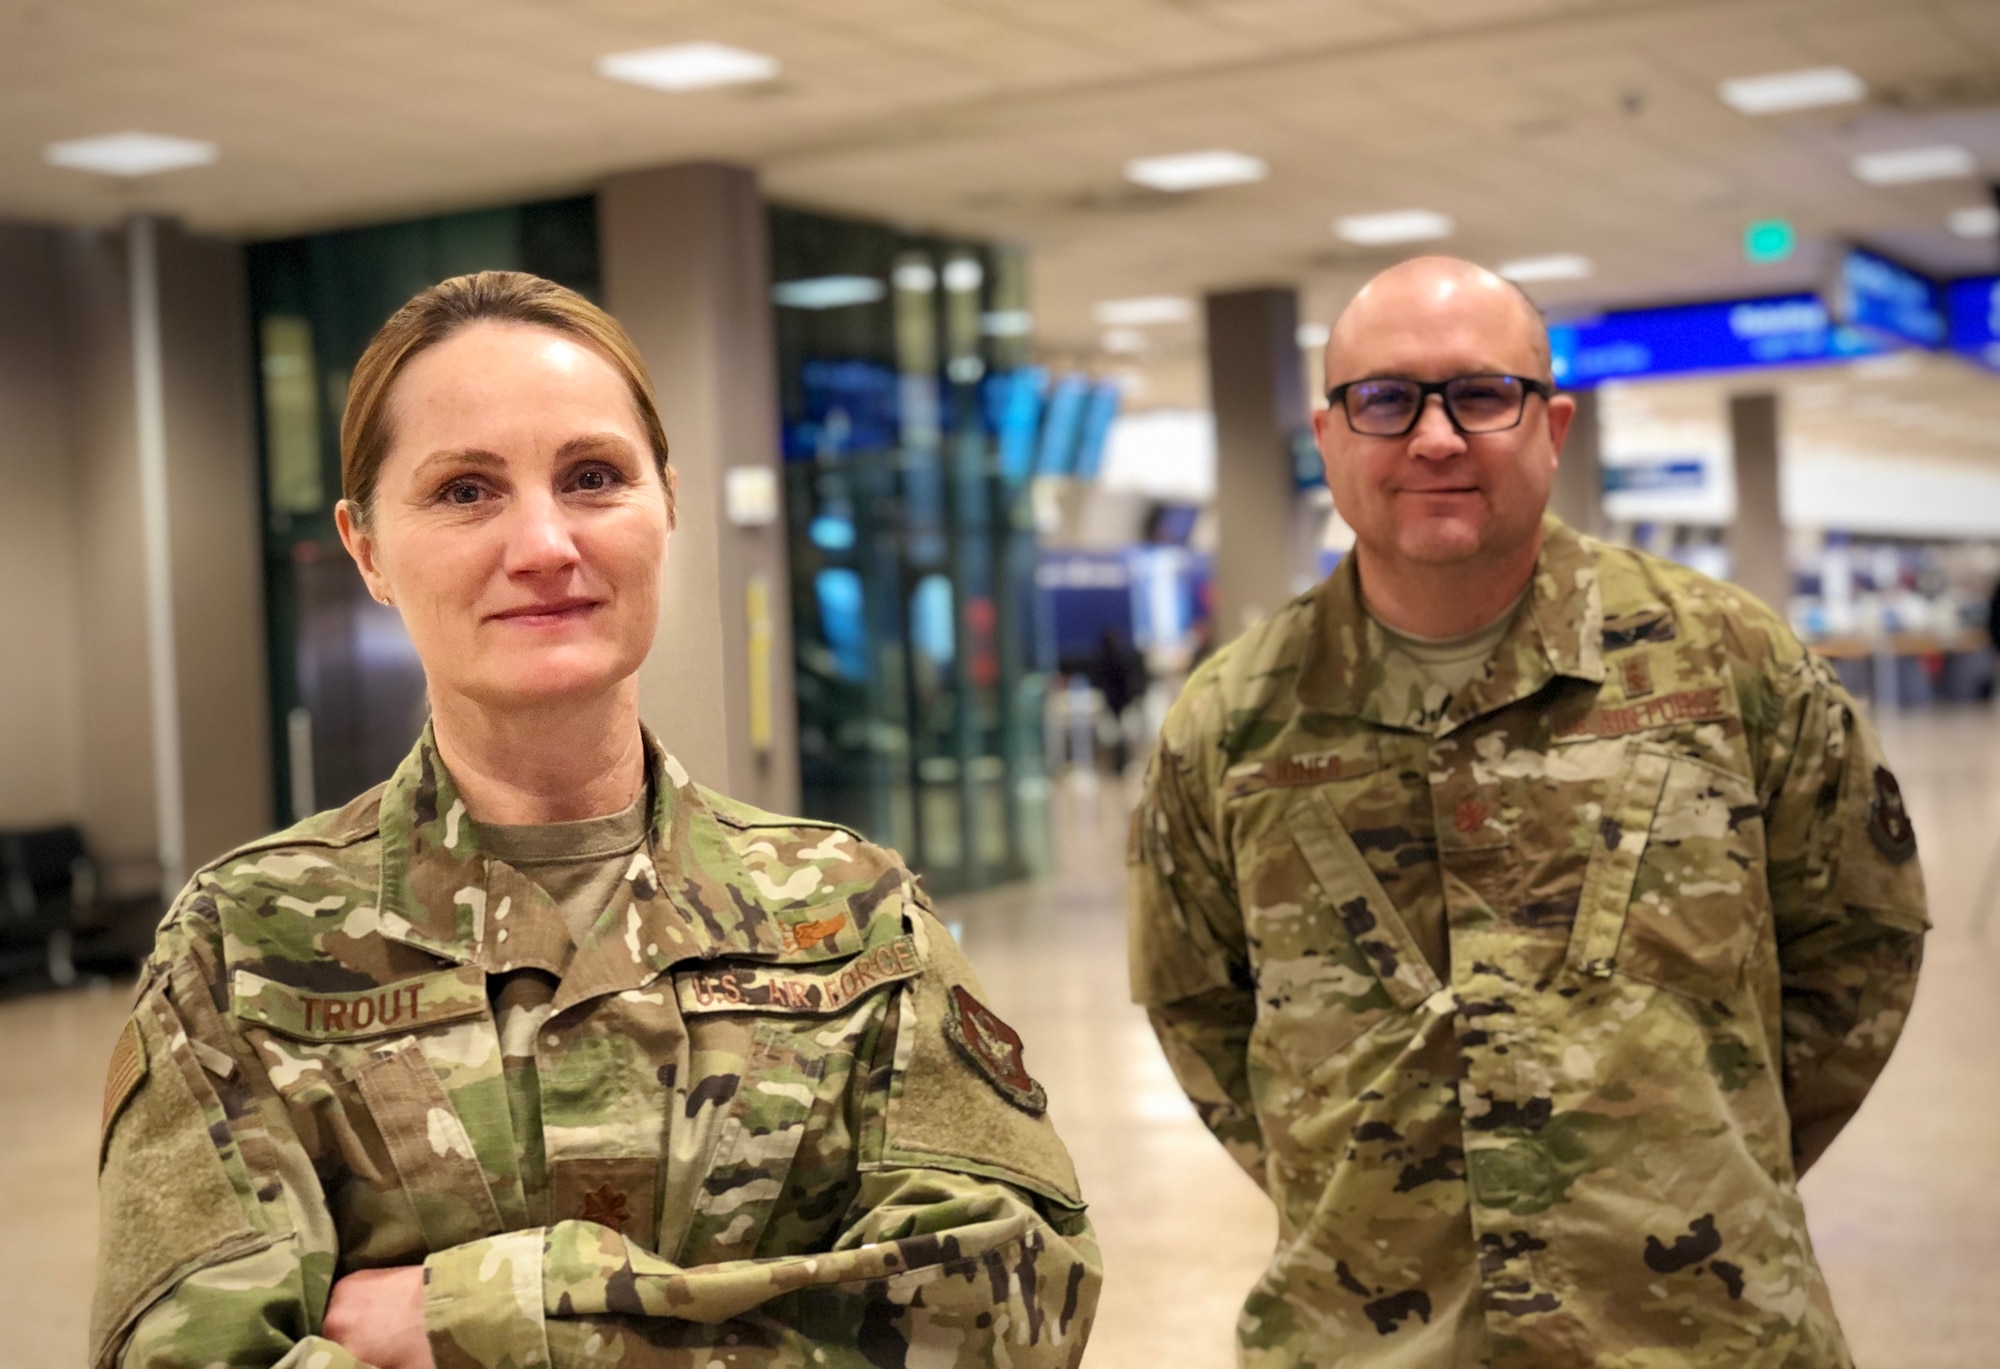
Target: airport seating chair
48	896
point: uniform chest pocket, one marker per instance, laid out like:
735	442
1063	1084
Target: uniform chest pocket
1674	894
1333	955
403	1083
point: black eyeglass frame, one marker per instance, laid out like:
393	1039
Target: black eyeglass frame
1336	398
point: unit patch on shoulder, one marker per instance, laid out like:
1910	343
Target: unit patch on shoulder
994	1048
1889	825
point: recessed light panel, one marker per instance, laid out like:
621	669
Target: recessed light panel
688	66
1123	340
1911	164
827	292
130	154
1195	170
1979	221
1007	323
1556	266
1312	336
1138	313
1780	92
1400	225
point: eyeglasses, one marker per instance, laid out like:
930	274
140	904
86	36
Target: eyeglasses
1386	406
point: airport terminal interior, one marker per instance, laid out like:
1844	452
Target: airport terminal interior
988	338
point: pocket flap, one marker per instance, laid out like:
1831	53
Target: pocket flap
1364	906
403	1005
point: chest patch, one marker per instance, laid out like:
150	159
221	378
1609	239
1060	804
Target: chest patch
402	1006
1637	674
1682	706
761	988
995	1050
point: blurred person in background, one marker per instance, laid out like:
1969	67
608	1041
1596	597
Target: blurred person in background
541	1053
1118	671
1524	913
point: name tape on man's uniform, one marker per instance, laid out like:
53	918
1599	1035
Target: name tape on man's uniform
759	988
319	1015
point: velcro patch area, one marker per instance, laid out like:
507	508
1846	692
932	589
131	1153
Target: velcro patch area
401	1006
796	989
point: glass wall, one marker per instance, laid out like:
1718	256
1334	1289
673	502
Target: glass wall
920	663
348	694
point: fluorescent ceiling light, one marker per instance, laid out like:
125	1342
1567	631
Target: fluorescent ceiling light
1556	266
1007	323
915	276
1399	225
1906	165
688	66
1195	170
130	154
1312	336
1780	92
1137	313
962	274
827	292
1980	221
1125	340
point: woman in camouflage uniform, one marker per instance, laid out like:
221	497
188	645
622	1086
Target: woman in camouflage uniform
542	1054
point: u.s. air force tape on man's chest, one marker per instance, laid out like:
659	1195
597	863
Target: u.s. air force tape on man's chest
759	988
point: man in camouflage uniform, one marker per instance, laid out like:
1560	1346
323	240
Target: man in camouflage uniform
1525	985
757	1117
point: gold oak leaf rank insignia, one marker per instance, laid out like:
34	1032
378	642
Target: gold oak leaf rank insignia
994	1048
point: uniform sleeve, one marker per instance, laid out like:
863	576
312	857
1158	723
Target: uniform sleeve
1848	900
963	1245
214	1246
1189	961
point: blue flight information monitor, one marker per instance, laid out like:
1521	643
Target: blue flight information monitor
1062	426
1097	417
1972	307
1882	297
1721	335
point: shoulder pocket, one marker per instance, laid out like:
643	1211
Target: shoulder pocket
1674	894
944	1110
174	1194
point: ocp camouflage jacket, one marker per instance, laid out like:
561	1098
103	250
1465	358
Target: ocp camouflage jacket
1678	921
758	1117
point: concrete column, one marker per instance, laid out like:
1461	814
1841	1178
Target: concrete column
1757	537
207	502
1578	495
1257	391
686	264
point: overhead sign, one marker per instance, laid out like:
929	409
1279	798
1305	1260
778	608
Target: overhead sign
1674	473
1972	309
1888	299
1721	335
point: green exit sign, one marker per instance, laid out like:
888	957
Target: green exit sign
1769	240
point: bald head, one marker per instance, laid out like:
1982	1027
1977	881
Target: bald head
1441	309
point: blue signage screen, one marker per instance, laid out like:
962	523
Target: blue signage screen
1973	309
1876	294
1062	426
1723	335
1097	417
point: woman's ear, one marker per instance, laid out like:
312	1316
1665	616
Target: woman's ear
360	544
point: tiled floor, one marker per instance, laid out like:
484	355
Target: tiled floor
1905	1209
